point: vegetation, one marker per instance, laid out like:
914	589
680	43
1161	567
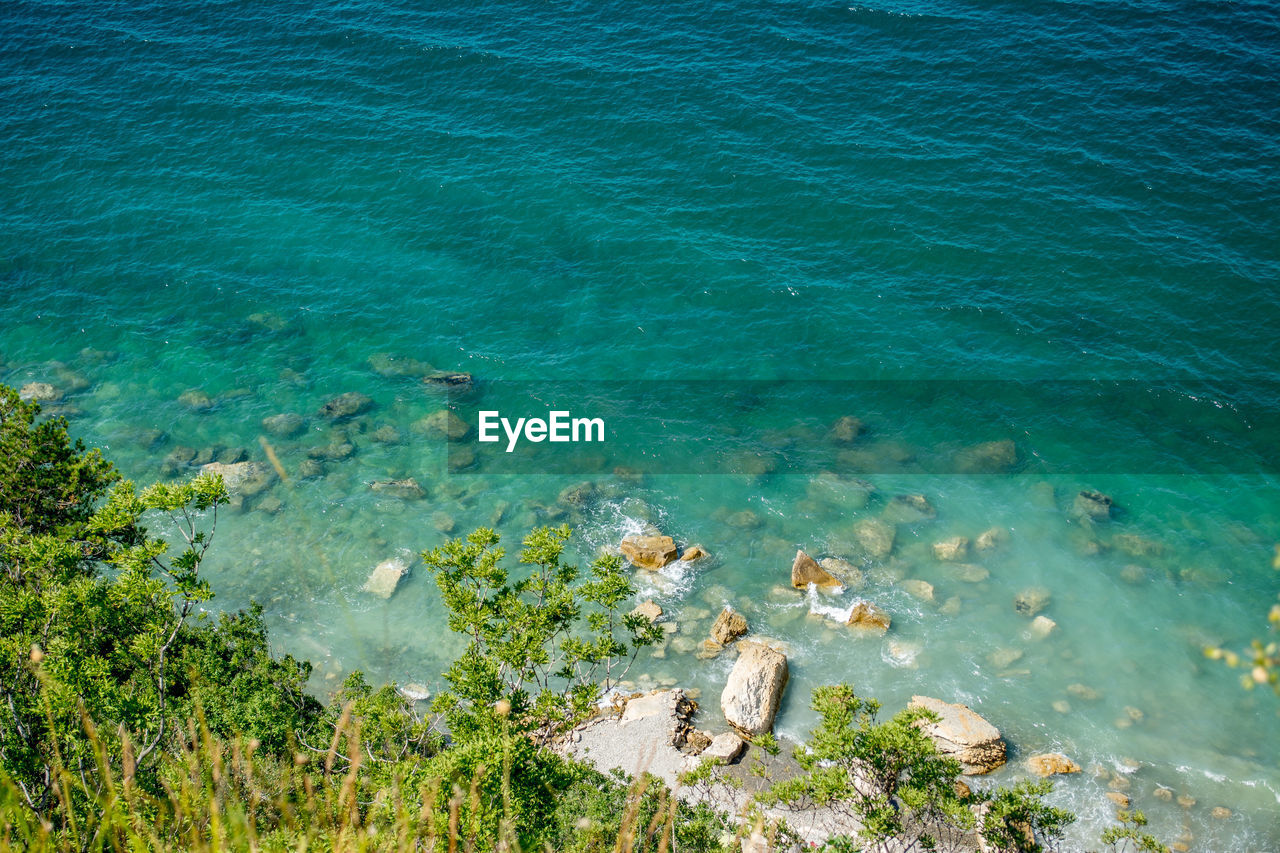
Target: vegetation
131	721
890	777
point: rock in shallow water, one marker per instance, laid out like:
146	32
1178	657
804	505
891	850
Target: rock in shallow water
805	571
754	690
649	552
963	734
346	405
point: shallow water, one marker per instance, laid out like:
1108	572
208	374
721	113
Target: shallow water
254	201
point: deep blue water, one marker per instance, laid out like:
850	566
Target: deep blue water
253	199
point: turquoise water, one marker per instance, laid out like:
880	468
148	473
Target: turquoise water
254	199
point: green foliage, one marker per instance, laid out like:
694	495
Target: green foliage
1018	820
95	625
226	670
887	775
604	813
1128	836
543	646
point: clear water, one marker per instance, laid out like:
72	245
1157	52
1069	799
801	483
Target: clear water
706	193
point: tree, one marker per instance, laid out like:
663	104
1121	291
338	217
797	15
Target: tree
96	622
544	647
888	776
891	778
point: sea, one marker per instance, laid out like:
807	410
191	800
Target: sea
941	264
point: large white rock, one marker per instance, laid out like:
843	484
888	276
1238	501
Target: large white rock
754	690
964	735
386	576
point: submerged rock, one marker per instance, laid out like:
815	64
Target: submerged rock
196	400
286	424
844	571
1091	504
1031	600
754	690
386	364
39	392
346	405
805	571
1042	626
649	552
443	423
846	430
648	609
963	734
991	539
951	550
916	588
876	536
990	457
448	380
242	478
406	489
910	508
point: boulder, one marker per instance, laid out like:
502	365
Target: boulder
754	690
286	424
406	489
876	536
447	379
1031	600
990	457
648	609
963	735
917	588
39	392
346	405
953	550
386	434
1091	504
1042	626
846	430
729	626
196	400
726	747
912	508
242	478
443	424
991	539
649	552
865	616
844	571
1051	764
1121	800
968	572
693	552
385	577
805	571
744	520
